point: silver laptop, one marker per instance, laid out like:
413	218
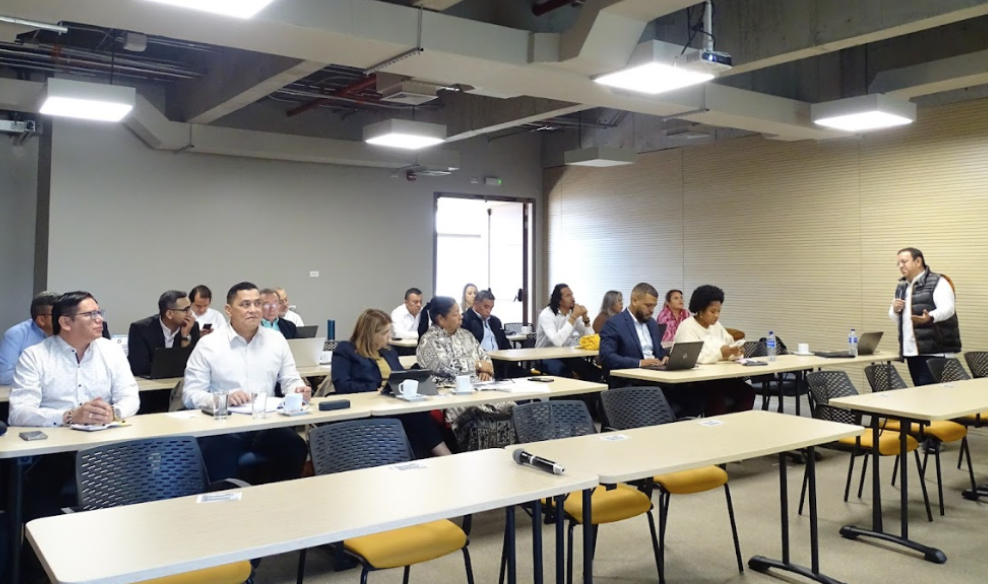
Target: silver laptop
867	345
306	352
682	356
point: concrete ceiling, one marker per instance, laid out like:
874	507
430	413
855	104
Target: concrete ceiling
517	75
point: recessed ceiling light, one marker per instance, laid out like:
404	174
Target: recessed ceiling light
598	157
864	113
87	101
405	134
658	66
235	8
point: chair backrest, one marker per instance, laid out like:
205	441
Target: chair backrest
636	407
176	401
550	420
754	349
977	362
358	444
883	377
127	473
947	370
826	385
513	328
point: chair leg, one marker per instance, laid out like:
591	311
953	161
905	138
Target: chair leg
802	492
301	567
734	527
468	565
655	542
363	575
404	576
850	473
593	550
569	555
960	455
922	484
504	559
965	447
664	500
936	457
864	470
895	469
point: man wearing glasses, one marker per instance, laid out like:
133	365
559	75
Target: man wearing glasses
174	326
26	334
271	314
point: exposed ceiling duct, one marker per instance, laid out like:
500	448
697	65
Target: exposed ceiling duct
958	72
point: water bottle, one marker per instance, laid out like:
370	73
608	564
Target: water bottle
852	343
770	345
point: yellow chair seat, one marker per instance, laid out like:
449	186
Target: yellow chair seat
229	574
618	504
888	442
408	545
944	431
974	418
697	480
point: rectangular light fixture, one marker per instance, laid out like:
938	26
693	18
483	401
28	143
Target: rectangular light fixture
405	134
599	157
235	8
864	113
87	101
656	67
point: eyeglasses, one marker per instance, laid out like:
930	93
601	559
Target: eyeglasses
92	315
270	306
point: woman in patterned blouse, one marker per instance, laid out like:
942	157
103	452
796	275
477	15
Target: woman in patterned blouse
673	313
449	350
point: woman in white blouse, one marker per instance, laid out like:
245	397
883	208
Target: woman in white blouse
723	395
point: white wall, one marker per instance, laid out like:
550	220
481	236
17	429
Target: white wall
18	180
128	222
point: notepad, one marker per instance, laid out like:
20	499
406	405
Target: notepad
97	428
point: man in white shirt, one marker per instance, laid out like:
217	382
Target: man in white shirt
405	318
562	324
241	360
73	377
286	312
932	328
209	319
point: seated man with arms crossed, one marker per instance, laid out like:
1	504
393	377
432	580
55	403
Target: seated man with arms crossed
72	377
26	334
243	358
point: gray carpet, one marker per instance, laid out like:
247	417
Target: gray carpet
699	548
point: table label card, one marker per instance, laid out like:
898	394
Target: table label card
220	497
408	466
614	437
711	423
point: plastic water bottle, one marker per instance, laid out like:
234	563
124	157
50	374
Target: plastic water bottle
852	343
770	345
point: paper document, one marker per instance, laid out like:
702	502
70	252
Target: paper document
520	386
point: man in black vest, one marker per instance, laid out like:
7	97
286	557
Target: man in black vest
924	309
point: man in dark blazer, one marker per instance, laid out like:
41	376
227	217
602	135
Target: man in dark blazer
492	336
633	339
174	326
271	314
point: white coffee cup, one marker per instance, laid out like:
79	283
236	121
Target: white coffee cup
803	348
463	383
292	402
408	388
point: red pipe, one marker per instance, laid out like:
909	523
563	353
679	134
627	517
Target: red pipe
355	87
547	7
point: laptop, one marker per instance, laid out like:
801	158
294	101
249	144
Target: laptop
682	356
867	345
424	376
307	332
167	363
306	352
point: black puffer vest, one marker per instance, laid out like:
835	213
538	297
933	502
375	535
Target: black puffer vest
935	337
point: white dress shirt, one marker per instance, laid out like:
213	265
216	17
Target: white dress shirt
169	334
225	361
556	331
403	324
714	337
213	317
293	317
943	298
648	351
50	380
487	342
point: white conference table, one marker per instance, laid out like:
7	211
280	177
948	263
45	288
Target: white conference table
527	355
638	454
153	540
929	403
404	343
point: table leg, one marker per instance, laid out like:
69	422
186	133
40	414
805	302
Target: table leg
15	516
763	564
509	526
537	541
588	534
930	554
560	540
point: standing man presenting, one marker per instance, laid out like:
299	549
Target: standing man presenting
924	309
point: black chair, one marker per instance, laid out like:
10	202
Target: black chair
947	370
767	386
129	473
360	444
538	421
884	377
977	362
826	385
637	407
